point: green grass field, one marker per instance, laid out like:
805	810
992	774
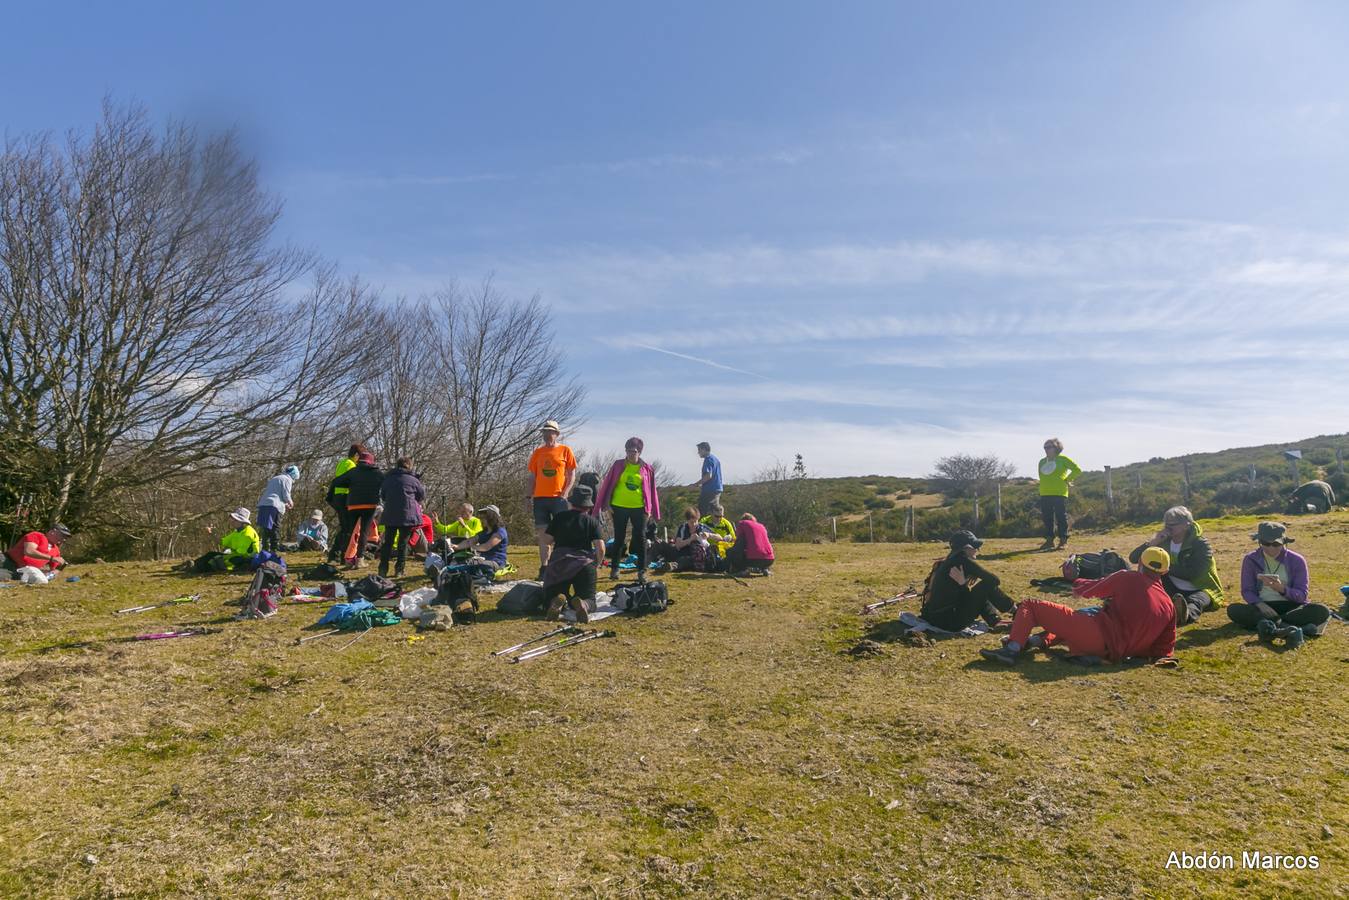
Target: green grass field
727	747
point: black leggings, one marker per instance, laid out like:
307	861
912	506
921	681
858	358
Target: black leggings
1054	511
401	534
622	517
1248	616
983	600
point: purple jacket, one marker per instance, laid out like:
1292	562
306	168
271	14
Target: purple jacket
1254	563
650	499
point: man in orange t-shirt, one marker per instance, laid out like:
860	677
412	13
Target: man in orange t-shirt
552	469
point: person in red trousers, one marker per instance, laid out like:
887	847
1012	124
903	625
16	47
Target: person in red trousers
1137	617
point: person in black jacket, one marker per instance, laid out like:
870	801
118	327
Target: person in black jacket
403	496
961	590
363	484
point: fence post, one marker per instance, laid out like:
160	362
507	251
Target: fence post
1138	477
833	524
871	530
999	507
913	522
1292	464
1339	460
1185	475
1109	491
976	511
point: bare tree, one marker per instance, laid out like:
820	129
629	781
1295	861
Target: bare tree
142	294
963	475
503	376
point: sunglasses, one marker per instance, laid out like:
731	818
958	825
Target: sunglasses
1270	544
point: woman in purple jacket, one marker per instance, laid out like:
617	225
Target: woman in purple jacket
629	490
1275	586
403	495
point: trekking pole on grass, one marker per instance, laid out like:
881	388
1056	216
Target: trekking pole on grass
355	639
315	637
565	629
165	635
192	598
562	644
908	593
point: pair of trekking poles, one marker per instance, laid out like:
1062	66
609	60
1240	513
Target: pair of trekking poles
908	593
568	636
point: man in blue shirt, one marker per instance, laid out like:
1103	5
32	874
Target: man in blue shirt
709	486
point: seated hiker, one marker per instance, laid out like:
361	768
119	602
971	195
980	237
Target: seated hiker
721	534
491	541
1275	584
1311	497
39	550
689	551
959	590
461	529
752	551
238	546
577	554
312	533
1193	575
1137	617
362	483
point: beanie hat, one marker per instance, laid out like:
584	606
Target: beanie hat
293	471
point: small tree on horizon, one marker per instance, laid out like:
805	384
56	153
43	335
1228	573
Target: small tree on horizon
963	475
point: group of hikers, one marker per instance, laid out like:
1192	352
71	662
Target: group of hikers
1174	582
385	513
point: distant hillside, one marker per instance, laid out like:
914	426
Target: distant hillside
1242	480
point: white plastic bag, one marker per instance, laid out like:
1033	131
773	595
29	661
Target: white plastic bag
411	604
33	575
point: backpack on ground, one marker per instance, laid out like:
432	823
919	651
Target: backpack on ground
642	598
323	572
523	598
927	581
376	589
1094	565
265	557
260	600
455	586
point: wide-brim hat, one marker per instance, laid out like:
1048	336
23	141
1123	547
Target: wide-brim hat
241	515
1271	533
581	496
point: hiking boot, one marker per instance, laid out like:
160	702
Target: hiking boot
1047	545
464	613
578	606
1266	629
1182	609
1293	637
1001	655
399	572
613	573
1063	542
555	606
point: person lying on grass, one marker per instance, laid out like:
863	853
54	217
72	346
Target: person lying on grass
960	590
1137	617
1275	585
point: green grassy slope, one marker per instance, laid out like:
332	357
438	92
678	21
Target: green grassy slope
727	747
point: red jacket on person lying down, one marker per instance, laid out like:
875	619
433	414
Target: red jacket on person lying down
1138	619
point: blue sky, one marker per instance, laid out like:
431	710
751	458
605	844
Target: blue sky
871	233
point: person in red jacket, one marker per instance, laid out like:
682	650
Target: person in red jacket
38	550
1137	618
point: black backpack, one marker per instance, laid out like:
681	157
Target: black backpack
323	572
453	586
642	598
1094	565
523	598
374	588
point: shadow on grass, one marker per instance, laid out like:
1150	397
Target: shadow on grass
1015	554
1202	637
1052	666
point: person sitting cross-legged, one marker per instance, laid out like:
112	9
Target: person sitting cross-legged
1275	584
1192	580
312	533
961	590
1137	618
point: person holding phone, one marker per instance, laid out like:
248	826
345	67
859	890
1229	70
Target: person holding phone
1275	583
1192	580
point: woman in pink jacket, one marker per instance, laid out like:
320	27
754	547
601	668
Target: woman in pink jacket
629	490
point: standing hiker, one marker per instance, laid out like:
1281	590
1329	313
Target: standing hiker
552	470
578	552
1056	473
1137	617
38	550
275	500
337	496
629	490
709	485
1276	584
363	483
1192	579
959	590
403	495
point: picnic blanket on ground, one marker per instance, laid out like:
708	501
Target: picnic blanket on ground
916	623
